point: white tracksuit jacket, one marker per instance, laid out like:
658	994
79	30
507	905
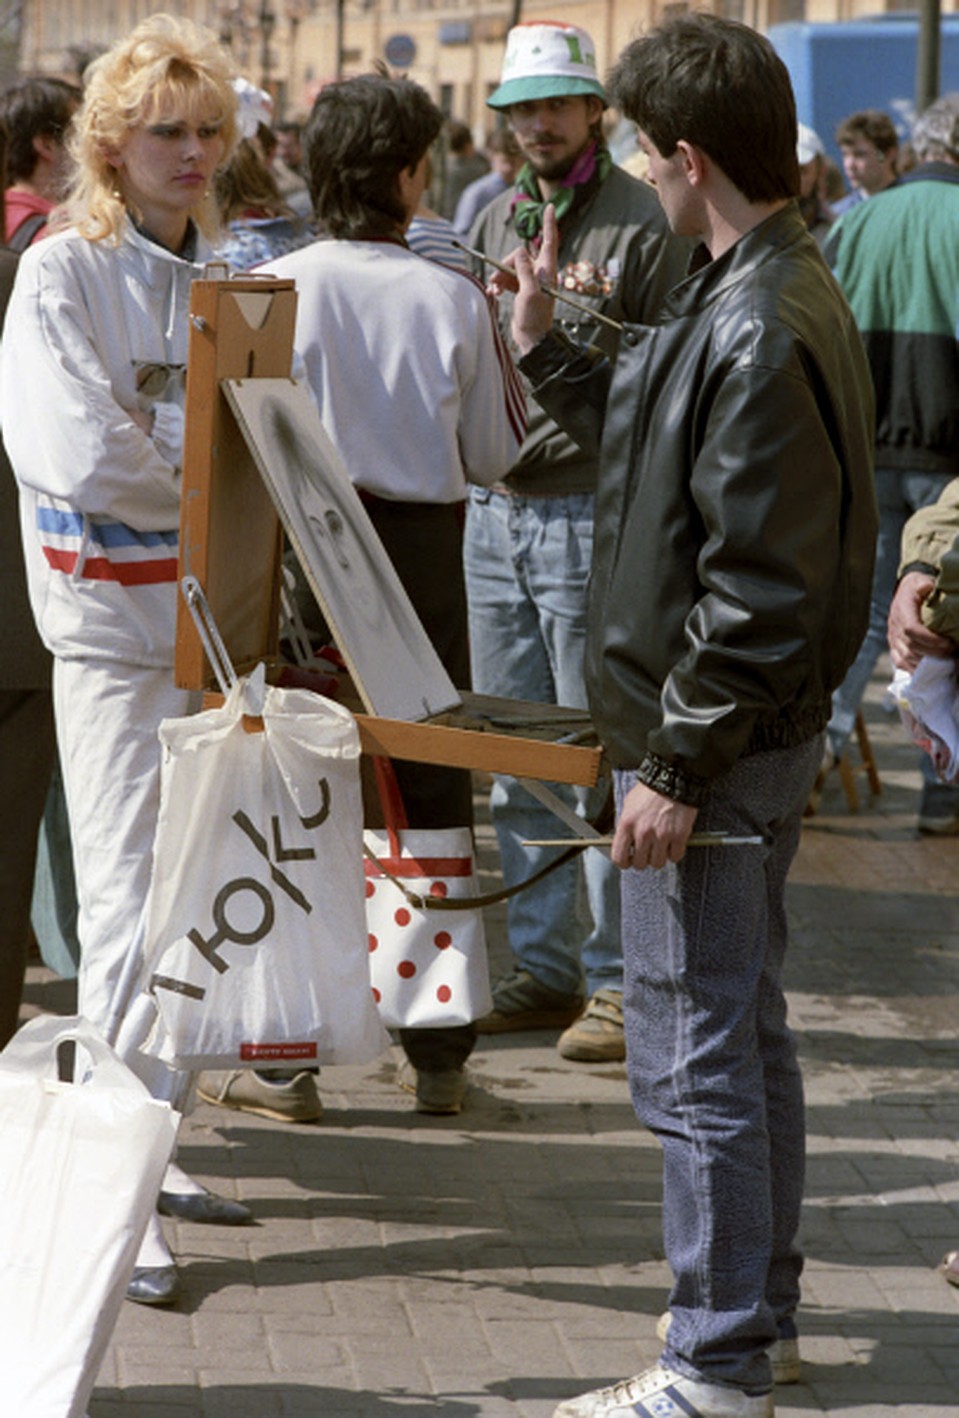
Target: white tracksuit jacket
100	501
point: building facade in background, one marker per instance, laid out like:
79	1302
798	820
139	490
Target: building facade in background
454	48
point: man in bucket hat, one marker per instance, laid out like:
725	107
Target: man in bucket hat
529	539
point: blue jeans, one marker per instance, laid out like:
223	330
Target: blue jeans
898	495
527	565
713	1071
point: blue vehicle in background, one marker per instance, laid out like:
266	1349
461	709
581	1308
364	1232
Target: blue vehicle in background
837	69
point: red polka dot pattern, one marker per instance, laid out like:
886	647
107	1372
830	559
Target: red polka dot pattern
428	968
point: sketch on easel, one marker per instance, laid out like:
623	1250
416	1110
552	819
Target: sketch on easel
393	664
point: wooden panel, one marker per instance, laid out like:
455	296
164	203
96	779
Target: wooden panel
237	328
451	746
454	747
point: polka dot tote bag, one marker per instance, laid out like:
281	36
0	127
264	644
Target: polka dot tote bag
428	964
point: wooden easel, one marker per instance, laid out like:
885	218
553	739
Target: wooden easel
230	535
231	541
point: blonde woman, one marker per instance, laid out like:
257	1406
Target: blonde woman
91	400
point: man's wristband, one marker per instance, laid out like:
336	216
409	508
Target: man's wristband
672	781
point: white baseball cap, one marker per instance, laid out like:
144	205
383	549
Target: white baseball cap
808	145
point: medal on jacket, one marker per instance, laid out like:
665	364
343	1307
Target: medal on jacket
586	278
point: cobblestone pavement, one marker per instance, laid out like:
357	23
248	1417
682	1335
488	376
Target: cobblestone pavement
495	1263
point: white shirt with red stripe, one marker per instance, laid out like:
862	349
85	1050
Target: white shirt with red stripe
99	499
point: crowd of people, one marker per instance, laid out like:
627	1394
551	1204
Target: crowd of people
660	505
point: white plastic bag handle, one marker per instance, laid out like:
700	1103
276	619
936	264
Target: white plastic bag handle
33	1051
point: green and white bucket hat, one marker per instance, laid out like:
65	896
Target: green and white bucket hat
546	59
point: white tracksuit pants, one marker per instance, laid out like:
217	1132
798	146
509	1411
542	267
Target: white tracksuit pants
107	716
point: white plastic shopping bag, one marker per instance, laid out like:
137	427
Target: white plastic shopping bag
256	952
80	1168
928	702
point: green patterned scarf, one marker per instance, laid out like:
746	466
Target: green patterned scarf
588	172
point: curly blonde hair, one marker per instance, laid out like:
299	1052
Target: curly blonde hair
165	64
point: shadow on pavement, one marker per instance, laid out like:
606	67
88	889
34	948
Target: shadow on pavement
275	1399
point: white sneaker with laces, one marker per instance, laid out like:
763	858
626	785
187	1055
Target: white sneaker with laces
662	1393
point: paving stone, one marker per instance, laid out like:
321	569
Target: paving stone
290	1350
492	1264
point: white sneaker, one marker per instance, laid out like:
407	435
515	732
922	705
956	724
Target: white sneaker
662	1393
783	1353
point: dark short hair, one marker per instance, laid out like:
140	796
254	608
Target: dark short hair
34	108
721	86
873	125
362	133
503	140
458	135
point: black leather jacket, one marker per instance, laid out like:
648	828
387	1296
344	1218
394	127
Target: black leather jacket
735	515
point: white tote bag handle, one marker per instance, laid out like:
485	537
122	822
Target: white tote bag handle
80	1169
33	1051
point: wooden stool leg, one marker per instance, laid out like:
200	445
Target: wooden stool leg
868	759
848	779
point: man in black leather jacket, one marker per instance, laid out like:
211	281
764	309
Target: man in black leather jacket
731	571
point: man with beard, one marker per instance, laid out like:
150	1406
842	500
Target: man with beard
529	538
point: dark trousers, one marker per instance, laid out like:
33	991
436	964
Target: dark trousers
424	541
27	750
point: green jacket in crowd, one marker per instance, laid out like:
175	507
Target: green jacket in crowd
899	252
